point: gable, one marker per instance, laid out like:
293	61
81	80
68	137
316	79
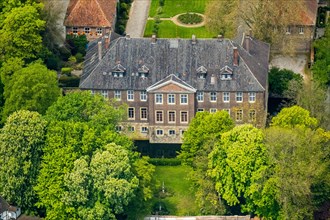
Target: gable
171	88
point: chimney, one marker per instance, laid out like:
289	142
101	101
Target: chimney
153	39
235	56
99	44
193	38
107	41
247	40
212	79
220	37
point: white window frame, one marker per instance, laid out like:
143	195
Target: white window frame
288	30
143	96
226	97
117	94
87	30
168	116
75	30
159	99
144	129
213	110
104	93
200	109
239	97
158	131
130	95
99	31
162	113
131	128
238	112
301	30
146	109
184	97
200	96
252	97
213	95
186	117
171	99
128	113
171	131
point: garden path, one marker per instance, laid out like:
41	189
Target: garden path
176	21
137	18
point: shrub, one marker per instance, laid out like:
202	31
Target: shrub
165	161
190	18
69	81
161	2
79	57
66	70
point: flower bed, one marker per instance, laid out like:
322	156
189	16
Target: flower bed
190	18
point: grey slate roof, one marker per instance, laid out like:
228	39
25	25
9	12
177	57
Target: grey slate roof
179	57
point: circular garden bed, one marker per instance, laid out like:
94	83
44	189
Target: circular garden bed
190	18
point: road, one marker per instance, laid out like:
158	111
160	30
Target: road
137	18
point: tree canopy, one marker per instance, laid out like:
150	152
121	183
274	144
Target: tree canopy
21	146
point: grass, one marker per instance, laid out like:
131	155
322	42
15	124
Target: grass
181	201
167	29
174	7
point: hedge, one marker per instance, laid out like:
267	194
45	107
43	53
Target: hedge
165	161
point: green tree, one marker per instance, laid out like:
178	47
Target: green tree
31	88
203	132
20	32
299	161
222	18
9	67
237	162
21	144
293	116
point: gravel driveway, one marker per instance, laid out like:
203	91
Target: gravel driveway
137	18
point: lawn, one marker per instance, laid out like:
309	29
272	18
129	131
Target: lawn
174	7
167	29
180	200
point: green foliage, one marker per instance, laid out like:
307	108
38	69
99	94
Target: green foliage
21	143
122	15
294	116
280	81
165	161
321	67
79	58
66	70
190	18
20	32
9	67
77	43
69	81
31	88
236	163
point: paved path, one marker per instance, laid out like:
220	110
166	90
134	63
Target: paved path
176	21
137	18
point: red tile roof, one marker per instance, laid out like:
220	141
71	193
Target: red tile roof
90	13
308	15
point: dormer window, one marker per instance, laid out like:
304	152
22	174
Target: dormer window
118	70
143	71
226	73
201	72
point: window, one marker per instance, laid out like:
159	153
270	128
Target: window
171	132
93	92
184	117
213	110
200	110
104	93
144	129
87	30
159	116
183	99
226	97
170	99
182	132
74	30
99	31
119	128
131	128
252	96
239	115
213	96
288	30
200	96
130	95
301	30
159	98
171	116
131	114
252	115
117	95
143	95
143	113
159	132
239	96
